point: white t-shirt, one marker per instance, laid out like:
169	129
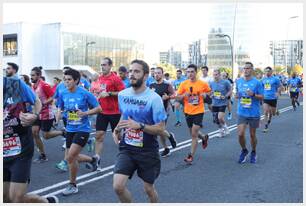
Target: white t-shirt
207	79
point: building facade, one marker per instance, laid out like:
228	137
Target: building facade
196	54
171	57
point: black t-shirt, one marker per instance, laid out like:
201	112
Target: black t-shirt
161	89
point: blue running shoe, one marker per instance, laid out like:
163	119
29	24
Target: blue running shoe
253	157
243	156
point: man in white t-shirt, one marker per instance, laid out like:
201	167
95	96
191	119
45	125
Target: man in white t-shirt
208	80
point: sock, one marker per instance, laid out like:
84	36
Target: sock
253	151
74	184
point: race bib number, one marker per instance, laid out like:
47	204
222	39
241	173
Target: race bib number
267	86
134	137
103	87
11	145
193	99
293	89
246	102
217	95
73	118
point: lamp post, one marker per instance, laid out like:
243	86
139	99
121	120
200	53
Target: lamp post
86	51
231	46
287	42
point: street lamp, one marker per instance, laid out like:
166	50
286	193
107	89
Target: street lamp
232	54
287	41
86	51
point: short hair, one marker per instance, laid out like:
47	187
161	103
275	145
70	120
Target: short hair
43	78
152	68
122	69
167	75
37	70
74	73
217	70
66	67
250	64
57	79
193	66
109	61
144	65
14	66
160	68
205	67
180	71
268	68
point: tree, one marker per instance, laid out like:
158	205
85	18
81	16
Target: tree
169	68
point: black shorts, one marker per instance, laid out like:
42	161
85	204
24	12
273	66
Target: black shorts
44	125
17	170
218	108
147	164
294	95
104	119
79	138
196	119
271	102
207	100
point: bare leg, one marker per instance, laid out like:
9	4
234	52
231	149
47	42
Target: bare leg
151	192
119	185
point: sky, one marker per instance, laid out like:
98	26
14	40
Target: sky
158	25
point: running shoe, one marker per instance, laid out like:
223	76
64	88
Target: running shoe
204	140
165	152
221	132
177	124
172	139
64	146
226	130
229	116
277	112
93	165
52	199
297	102
188	159
62	165
41	158
70	189
243	156
253	157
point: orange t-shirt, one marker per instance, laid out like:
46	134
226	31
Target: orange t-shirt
194	104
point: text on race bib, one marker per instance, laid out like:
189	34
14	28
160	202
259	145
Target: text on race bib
11	145
134	137
246	102
73	118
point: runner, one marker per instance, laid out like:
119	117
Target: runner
294	84
84	81
208	80
150	79
230	102
123	74
165	91
193	92
18	145
46	116
143	118
111	85
272	89
178	105
249	92
74	102
221	91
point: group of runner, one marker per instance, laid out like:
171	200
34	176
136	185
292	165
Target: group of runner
137	106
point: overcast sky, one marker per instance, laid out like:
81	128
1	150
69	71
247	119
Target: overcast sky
157	25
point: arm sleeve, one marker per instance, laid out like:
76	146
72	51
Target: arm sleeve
28	94
181	89
48	90
159	113
92	100
260	89
119	85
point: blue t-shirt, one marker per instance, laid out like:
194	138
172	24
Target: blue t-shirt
126	82
177	82
150	80
270	85
219	89
146	107
84	83
70	102
248	106
294	83
59	89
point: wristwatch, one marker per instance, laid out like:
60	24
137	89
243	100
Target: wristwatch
142	126
110	93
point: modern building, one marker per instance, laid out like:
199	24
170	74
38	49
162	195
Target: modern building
196	54
163	57
287	53
171	57
54	45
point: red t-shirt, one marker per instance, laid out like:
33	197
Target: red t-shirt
44	92
110	83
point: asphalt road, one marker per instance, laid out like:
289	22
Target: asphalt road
214	177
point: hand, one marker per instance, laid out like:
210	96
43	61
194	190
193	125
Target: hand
128	124
165	97
103	95
116	135
81	114
27	119
249	92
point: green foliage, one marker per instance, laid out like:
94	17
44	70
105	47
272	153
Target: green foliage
228	70
168	68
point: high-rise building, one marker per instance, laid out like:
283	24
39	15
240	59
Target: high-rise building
196	56
171	57
287	53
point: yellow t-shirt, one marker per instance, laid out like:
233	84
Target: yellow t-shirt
194	104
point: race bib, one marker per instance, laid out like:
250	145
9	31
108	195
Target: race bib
246	102
134	137
293	89
267	86
193	99
217	95
73	118
11	145
103	87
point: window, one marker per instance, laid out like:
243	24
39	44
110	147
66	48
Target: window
10	44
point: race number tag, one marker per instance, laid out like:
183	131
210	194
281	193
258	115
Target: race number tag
193	99
11	145
293	89
246	102
134	137
217	95
267	86
73	118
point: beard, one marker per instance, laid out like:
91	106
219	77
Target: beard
137	84
8	74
